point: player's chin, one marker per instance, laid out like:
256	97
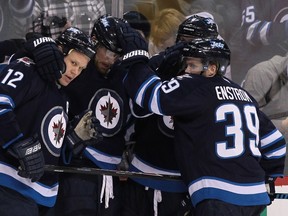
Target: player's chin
64	81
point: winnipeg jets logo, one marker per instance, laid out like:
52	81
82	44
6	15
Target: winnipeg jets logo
58	131
108	108
53	129
108	111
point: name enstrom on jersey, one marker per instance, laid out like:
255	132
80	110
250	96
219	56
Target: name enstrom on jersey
230	93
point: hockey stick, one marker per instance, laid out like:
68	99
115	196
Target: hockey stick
119	173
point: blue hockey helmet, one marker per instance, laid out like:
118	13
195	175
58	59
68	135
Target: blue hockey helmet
74	38
209	50
104	30
197	27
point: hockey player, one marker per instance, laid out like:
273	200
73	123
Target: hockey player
33	116
225	146
100	89
154	135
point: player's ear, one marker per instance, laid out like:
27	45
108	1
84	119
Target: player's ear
212	70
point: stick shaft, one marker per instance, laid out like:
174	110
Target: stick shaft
119	173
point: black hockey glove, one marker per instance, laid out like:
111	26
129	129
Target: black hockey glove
48	58
135	47
30	156
270	187
167	63
83	131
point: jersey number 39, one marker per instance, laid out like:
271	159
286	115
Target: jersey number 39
248	115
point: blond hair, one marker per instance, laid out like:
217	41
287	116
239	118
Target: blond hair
165	25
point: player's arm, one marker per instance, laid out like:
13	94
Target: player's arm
82	131
272	147
160	97
14	91
142	84
257	29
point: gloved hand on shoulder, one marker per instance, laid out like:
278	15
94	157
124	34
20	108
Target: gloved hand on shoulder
30	156
48	58
167	63
82	131
134	45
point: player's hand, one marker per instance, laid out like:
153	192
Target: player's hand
270	187
48	58
30	156
135	47
167	63
83	130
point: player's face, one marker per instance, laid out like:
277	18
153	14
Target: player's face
75	63
104	59
195	66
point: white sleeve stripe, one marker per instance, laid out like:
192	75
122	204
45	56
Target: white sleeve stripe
263	34
271	138
2	111
142	89
251	31
277	153
154	104
4	99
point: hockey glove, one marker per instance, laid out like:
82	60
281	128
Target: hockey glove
30	156
83	131
48	58
167	63
270	187
135	47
